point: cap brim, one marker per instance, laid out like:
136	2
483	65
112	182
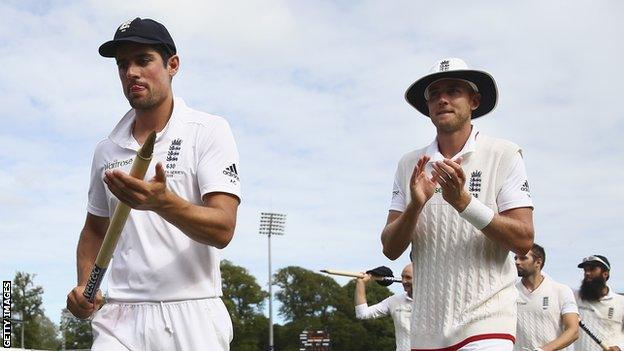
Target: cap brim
596	263
109	49
415	94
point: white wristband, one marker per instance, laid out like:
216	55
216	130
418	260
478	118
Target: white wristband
477	213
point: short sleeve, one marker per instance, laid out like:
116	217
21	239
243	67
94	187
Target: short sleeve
515	191
97	203
398	201
218	168
567	300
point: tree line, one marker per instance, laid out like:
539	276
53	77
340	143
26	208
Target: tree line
309	301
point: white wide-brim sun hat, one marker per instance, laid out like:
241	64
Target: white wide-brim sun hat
454	68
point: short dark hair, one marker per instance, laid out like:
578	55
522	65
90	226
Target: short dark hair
164	52
538	252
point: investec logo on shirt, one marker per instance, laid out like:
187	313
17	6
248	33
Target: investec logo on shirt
6	313
117	164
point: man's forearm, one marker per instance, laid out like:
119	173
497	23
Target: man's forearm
88	247
207	225
514	232
565	339
569	335
397	235
360	292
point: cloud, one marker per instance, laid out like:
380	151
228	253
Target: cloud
314	95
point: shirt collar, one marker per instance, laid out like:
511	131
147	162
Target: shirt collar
608	296
122	133
434	152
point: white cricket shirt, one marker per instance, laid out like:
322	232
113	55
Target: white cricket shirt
463	282
540	313
605	318
399	307
154	260
514	192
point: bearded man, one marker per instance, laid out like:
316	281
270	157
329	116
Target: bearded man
600	308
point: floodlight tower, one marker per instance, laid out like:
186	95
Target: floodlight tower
271	224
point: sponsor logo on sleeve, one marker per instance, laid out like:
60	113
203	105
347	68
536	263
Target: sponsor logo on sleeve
231	172
525	188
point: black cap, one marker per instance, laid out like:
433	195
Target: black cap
381	271
596	260
142	31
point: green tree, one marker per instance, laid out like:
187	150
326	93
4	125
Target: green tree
39	331
244	299
379	332
310	301
304	294
76	332
316	302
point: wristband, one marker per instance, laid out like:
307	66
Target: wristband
477	213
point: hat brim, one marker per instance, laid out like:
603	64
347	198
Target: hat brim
415	94
109	49
595	263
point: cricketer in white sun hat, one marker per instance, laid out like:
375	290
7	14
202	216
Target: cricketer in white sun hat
454	68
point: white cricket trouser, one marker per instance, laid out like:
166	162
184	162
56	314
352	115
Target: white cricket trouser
489	345
191	325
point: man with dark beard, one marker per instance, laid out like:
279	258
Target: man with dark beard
547	312
600	308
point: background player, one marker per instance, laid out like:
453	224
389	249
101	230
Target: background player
398	306
547	312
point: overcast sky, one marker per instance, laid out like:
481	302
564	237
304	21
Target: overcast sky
313	91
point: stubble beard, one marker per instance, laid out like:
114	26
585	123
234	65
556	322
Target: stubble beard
523	273
143	103
453	125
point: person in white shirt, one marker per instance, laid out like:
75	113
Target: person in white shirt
547	311
398	306
164	282
463	203
601	309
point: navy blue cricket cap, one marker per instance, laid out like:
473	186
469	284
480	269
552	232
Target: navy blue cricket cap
596	260
142	31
